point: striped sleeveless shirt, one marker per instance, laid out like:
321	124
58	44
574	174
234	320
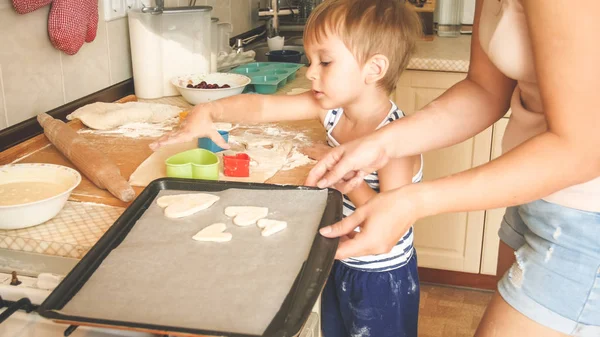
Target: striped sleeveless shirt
403	250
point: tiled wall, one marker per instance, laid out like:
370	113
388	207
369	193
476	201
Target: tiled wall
35	77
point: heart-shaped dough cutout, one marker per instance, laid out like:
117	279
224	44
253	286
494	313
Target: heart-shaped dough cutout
180	205
213	233
246	215
270	227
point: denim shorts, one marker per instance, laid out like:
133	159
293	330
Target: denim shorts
555	280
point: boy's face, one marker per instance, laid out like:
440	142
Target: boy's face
337	78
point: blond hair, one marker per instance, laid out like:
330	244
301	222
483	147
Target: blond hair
368	28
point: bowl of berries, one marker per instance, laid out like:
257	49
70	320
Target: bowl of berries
210	87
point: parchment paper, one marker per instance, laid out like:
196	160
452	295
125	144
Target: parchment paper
159	275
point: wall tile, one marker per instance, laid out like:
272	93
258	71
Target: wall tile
3	117
221	9
87	71
186	3
119	50
31	69
5	4
241	16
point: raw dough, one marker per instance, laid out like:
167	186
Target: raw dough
48	281
24	192
269	148
180	205
246	215
270	227
213	233
223	126
104	116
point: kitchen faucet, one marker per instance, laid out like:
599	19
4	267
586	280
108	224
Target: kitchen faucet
275	20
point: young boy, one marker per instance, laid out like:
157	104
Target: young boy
357	50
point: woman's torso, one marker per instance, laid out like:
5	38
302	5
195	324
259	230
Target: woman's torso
504	37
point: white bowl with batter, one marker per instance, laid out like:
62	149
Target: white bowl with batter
31	194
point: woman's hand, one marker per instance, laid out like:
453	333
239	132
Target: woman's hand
198	123
383	220
346	166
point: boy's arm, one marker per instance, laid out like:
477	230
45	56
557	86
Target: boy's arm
397	173
247	108
255	108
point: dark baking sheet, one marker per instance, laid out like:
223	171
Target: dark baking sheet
289	318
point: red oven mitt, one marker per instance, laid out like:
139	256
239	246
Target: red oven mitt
71	23
26	6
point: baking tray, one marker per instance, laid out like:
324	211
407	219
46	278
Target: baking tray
290	317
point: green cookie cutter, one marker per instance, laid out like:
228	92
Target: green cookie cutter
193	164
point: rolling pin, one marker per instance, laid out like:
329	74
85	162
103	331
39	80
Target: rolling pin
91	162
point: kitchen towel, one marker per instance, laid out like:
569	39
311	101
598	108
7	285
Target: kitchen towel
71	23
26	6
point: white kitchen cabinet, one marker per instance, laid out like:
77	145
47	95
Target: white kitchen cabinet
446	241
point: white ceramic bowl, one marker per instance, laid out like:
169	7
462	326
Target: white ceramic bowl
31	213
236	82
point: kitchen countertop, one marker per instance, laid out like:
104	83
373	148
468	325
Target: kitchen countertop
128	153
442	54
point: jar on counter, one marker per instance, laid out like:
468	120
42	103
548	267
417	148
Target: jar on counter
449	13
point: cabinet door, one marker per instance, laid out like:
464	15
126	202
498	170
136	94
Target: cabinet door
446	241
417	88
493	217
453	241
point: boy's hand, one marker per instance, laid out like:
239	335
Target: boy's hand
347	165
197	124
316	152
383	220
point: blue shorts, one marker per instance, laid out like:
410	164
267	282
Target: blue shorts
555	280
361	303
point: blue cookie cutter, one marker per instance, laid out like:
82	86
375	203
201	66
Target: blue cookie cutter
208	144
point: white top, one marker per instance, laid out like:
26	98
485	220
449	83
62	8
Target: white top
504	38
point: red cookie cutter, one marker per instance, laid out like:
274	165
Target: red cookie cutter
236	166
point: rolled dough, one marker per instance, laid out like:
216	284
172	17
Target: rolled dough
105	116
180	205
246	215
213	233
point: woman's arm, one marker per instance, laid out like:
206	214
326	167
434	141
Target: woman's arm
464	110
397	173
567	154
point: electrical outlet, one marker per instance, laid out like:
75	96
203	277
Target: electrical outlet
116	9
